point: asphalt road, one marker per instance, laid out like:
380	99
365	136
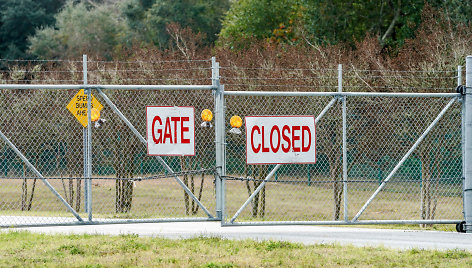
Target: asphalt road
399	239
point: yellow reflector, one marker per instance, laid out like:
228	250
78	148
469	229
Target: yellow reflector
207	115
236	121
95	114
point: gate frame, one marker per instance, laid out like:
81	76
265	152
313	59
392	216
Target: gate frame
87	148
343	96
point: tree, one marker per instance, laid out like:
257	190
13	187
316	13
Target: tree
19	19
340	21
147	20
256	19
80	28
322	22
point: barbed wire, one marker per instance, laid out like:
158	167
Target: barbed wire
145	70
41	80
330	69
276	68
288	85
277	78
19	60
153	79
161	61
400	71
333	77
411	77
44	71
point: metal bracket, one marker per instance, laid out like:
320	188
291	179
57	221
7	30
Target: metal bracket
461	89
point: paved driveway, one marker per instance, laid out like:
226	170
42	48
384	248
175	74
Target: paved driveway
400	239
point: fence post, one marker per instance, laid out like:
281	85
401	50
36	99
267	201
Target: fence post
344	115
459	83
468	146
85	137
88	144
219	137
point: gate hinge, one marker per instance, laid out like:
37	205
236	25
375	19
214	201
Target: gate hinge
461	89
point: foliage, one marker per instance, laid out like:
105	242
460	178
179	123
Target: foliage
80	29
19	19
148	20
258	19
341	21
332	22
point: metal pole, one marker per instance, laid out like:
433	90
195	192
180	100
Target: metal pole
405	157
337	94
84	149
459	83
85	138
27	162
274	170
89	141
113	87
344	115
468	146
219	134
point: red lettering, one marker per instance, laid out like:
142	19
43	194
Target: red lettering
274	149
286	138
184	129
306	148
159	131
295	138
264	149
175	120
167	132
255	149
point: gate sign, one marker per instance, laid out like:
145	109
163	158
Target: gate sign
280	140
170	130
78	106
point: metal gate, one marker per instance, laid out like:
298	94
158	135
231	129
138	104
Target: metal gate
56	171
382	158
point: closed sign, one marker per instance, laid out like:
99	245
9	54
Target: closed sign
280	140
170	130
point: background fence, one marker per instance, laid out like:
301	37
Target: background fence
361	139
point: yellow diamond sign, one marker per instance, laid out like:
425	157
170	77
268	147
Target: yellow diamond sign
78	106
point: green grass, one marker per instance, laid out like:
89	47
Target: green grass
284	202
28	249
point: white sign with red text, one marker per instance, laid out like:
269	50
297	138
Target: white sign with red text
280	140
170	130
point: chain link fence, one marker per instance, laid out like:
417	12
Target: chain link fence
44	177
381	157
380	132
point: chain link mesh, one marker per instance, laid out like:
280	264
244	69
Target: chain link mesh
126	183
380	131
118	153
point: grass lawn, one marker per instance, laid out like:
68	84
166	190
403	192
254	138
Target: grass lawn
283	201
20	249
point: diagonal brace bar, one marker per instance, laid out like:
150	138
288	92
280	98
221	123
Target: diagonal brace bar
272	172
397	167
161	161
45	181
